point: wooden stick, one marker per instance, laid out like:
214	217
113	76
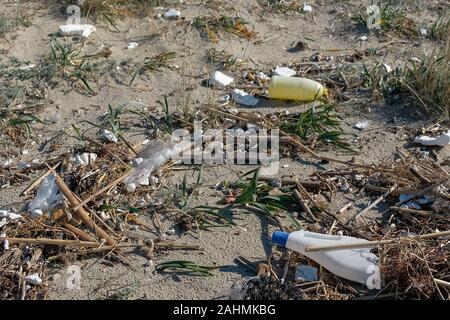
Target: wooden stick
315	185
397	192
83	215
83	235
368	244
98	219
330	215
442	283
157	246
53	242
346	207
304	206
373	204
93	244
421	213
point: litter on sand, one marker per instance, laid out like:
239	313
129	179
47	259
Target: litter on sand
441	141
47	197
284	72
83	30
362	125
84	159
267	142
300	89
359	264
304	273
132	45
219	79
172	14
244	98
33	279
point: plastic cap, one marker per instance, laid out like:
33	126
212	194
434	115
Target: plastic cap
280	238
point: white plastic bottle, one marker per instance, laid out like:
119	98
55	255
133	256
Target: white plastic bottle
359	265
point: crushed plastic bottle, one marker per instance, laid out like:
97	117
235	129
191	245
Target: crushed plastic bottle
155	154
359	265
47	197
300	89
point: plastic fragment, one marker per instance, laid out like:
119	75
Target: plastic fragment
84	159
305	273
219	79
284	72
362	125
441	141
109	136
244	98
33	279
172	14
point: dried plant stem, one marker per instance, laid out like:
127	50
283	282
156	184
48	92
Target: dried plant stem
103	190
442	283
93	244
304	206
80	233
84	216
421	213
373	204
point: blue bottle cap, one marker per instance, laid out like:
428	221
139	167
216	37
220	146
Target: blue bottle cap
280	238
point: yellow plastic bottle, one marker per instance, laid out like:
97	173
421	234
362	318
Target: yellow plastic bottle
300	89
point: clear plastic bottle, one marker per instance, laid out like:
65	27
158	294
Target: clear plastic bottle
47	196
